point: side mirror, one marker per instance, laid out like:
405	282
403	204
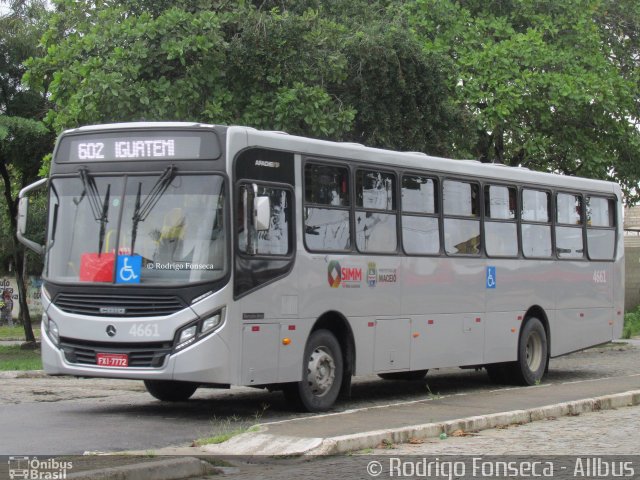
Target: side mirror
261	213
23	210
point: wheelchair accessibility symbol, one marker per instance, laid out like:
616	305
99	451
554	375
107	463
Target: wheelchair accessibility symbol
129	267
491	277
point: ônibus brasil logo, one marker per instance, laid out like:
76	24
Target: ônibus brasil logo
334	274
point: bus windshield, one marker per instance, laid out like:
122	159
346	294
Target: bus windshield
162	229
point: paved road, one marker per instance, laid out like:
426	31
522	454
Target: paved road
78	415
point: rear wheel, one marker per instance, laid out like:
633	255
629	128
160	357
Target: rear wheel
170	390
412	376
533	354
321	374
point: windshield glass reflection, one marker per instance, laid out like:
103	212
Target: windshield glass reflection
162	229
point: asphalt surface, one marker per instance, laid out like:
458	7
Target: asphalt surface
72	416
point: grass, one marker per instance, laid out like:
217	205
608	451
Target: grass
631	324
12	357
16	333
223	437
231	427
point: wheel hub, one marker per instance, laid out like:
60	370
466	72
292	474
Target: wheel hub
321	372
534	351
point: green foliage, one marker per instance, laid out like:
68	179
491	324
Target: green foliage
24	139
631	324
541	83
23	143
344	70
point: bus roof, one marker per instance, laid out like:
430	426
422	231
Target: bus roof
354	151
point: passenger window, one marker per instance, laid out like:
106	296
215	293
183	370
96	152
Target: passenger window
460	198
500	202
419	194
569	209
327	225
536	206
375	196
600	212
569	241
326	185
420	225
461	235
501	232
536	229
601	234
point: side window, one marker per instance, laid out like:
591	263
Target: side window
376	211
327	225
420	226
500	228
461	206
569	242
601	233
536	224
277	239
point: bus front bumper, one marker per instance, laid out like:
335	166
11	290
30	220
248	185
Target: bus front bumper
206	361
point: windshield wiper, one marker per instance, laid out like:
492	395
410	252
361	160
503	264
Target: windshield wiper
142	210
99	209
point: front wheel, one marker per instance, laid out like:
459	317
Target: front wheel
321	374
170	390
533	354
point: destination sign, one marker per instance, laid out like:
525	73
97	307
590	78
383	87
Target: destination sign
137	145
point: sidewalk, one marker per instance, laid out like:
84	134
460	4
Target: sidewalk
365	428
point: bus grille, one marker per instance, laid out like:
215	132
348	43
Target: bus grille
118	305
148	355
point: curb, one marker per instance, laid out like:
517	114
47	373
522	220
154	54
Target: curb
168	469
350	443
263	443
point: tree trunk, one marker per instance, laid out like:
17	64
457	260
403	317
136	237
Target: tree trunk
18	254
23	313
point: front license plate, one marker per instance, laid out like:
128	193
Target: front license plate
112	359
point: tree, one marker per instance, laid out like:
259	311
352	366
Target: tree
550	85
24	139
330	71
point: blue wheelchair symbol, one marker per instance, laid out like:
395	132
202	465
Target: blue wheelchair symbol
129	267
491	277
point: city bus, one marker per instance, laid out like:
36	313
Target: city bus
190	255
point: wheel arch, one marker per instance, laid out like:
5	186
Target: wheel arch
338	324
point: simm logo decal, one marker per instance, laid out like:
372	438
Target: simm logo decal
345	277
335	274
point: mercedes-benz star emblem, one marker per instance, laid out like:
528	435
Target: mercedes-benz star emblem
111	331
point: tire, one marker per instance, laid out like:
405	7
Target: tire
533	354
412	376
170	390
322	372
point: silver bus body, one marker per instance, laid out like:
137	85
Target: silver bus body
397	312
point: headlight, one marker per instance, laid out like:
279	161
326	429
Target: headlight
211	323
195	331
187	336
51	328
